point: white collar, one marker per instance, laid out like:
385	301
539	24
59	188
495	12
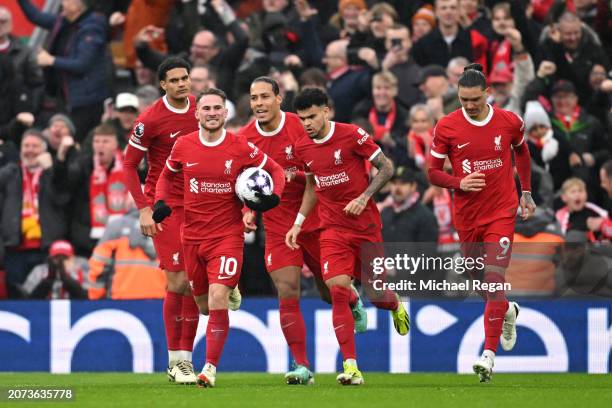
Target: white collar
212	144
479	123
332	126
272	132
172	108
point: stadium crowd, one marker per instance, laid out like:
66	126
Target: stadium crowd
70	229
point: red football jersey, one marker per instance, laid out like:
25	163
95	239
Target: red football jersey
485	147
155	132
338	163
279	145
209	172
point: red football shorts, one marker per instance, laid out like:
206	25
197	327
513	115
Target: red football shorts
492	241
341	252
279	255
168	242
217	260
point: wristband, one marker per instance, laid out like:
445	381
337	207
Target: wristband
299	220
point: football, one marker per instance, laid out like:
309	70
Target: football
251	180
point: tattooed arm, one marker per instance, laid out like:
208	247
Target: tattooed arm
385	171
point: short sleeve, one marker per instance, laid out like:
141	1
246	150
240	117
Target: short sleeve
439	144
518	129
141	135
364	145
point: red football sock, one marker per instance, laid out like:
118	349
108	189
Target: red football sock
495	310
191	317
388	301
216	333
173	320
294	329
342	318
493	322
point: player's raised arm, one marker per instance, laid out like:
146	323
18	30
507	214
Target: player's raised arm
309	200
385	171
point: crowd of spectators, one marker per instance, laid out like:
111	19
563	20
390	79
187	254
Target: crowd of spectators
391	67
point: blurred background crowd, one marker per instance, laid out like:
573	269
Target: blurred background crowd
75	74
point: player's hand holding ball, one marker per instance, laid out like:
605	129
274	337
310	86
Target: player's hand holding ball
473	182
161	211
264	203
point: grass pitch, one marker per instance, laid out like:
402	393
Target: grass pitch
267	390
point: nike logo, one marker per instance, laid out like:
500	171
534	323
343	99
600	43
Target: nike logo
461	146
190	164
309	163
287	325
497	318
339	327
178	318
173	135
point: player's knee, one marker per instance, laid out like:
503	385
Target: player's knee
178	283
218	299
287	290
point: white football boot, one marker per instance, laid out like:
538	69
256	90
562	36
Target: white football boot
182	373
206	379
508	336
484	366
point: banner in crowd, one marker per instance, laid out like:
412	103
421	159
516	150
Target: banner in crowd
67	336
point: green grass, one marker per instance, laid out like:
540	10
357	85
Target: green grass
267	390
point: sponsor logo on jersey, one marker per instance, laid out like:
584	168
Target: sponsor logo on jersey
289	152
255	150
197	187
497	141
193	186
228	166
491	164
480	165
364	136
332	180
337	157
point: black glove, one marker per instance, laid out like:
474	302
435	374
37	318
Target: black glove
266	202
161	211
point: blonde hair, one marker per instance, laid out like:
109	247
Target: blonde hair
385	76
572	182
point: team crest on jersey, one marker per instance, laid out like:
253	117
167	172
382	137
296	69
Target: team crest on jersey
175	258
139	129
270	259
289	152
326	267
498	142
228	166
337	157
